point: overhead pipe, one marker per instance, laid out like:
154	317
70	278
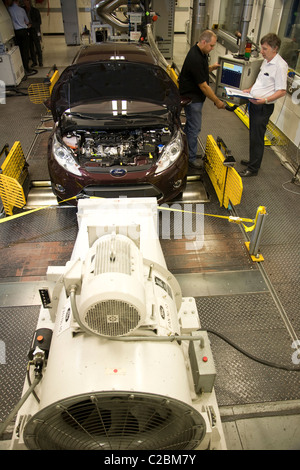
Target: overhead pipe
246	18
198	19
105	9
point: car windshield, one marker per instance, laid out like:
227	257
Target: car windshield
113	81
118	108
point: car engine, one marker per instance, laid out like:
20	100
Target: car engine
108	148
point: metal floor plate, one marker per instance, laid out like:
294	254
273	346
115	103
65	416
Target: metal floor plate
253	323
22	294
46	225
225	283
17	325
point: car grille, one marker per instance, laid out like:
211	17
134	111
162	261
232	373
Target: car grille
141	190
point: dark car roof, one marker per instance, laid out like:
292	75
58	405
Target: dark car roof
132	52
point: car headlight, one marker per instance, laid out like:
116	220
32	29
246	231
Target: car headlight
170	153
64	157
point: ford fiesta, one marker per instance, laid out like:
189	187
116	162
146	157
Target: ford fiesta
117	127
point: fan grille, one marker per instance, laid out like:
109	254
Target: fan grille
118	421
112	318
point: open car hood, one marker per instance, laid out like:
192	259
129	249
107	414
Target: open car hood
105	80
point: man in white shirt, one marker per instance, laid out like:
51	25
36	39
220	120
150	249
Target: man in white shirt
270	85
21	23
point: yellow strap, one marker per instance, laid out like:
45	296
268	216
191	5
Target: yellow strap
21	214
236	220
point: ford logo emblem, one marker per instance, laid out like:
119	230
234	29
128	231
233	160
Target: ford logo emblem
118	172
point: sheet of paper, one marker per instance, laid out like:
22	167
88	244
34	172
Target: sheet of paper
238	93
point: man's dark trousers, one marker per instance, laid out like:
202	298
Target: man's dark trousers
259	116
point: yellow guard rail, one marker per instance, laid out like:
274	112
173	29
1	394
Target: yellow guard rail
39	92
14	172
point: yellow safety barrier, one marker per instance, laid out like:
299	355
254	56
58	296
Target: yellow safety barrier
14	172
225	180
275	136
172	74
39	92
53	80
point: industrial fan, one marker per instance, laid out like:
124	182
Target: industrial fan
121	353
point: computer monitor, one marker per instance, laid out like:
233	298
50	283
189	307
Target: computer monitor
231	74
236	73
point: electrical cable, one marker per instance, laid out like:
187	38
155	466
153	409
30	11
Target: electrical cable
289	190
249	355
12	414
29	381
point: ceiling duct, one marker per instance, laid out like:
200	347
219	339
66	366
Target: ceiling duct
106	10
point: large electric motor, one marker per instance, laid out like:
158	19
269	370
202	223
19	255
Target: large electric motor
113	300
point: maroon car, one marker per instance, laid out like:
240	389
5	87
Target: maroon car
117	126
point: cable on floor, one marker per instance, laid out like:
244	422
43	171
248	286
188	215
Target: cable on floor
249	355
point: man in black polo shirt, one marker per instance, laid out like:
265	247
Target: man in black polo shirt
194	84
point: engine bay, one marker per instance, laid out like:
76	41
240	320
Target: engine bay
106	148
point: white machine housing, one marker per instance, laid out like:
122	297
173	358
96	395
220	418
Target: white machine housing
113	383
11	65
113	298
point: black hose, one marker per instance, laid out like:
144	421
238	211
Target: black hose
231	108
30	383
249	355
12	414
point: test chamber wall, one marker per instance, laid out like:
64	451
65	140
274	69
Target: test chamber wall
236	73
69	11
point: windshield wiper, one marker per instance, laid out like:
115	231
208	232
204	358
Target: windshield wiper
123	118
128	119
82	116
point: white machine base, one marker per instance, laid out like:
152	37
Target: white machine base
151	388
